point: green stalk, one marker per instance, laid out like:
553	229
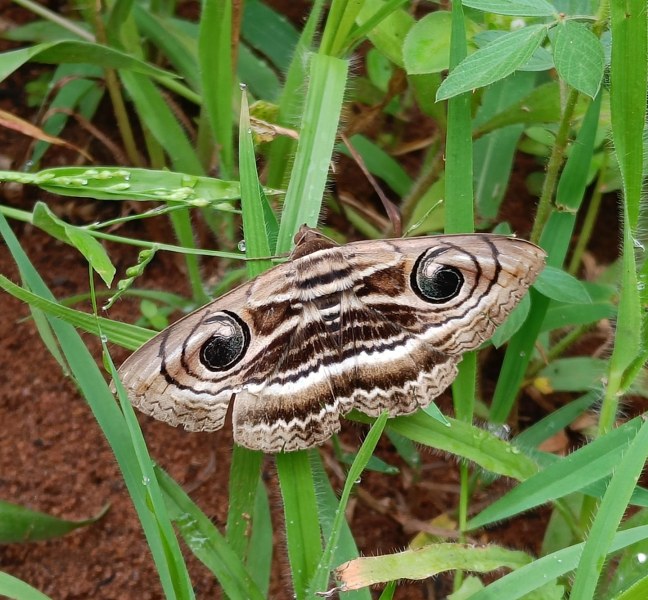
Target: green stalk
553	168
590	220
459	215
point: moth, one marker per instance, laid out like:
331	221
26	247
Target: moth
371	325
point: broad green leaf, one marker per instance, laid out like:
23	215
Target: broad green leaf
541	59
493	62
20	524
513	323
578	56
427	46
573	374
519	8
561	286
388	36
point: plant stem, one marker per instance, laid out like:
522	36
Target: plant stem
553	168
590	220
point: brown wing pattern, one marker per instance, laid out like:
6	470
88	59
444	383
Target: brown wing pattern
376	326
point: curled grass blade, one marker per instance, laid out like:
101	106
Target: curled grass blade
421	563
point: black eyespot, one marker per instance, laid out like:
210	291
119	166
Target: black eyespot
436	283
228	344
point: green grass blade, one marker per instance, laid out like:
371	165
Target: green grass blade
465	441
243	484
282	149
315	148
494	152
152	495
80	92
628	77
339	24
206	542
269	32
256	227
246	464
216	69
321	577
555	422
328	504
14	588
611	510
174	40
159	119
580	469
301	522
390	31
123	436
459	154
20	524
555	239
124	334
76	52
259	561
531	577
628	87
380	164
